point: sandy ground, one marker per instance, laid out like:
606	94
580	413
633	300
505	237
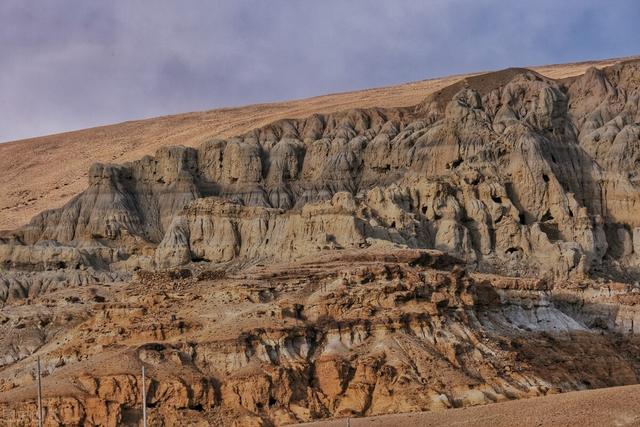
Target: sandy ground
45	172
616	406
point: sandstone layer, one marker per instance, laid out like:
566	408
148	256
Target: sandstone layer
356	333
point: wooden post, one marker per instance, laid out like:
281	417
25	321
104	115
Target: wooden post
144	401
39	396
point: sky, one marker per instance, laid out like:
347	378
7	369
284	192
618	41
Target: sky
73	64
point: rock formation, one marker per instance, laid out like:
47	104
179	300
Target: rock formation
458	252
355	332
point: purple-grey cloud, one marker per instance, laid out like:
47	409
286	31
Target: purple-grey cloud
71	64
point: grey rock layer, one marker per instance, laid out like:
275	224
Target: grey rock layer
510	171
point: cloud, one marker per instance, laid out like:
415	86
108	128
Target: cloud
71	64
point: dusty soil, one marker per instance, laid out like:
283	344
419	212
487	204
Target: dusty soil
45	172
615	406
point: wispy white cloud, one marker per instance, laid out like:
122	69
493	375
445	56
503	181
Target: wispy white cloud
70	64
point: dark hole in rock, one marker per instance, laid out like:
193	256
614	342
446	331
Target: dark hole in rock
424	209
545	177
547	216
570	213
553	159
551	230
496	199
61	264
523	219
513	250
272	401
198	407
155	346
393	224
195	258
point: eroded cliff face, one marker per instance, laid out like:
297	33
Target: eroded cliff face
508	168
459	252
356	333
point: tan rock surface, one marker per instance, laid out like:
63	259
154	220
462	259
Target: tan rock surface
350	333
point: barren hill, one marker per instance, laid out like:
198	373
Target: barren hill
421	250
45	172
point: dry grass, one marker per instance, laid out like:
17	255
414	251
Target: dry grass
45	172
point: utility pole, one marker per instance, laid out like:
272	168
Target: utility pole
144	401
39	396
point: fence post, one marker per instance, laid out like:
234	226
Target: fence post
144	400
39	395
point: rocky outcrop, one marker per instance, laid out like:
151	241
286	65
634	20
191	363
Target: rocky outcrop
220	231
459	252
359	332
505	169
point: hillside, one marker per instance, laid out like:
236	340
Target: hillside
45	172
476	244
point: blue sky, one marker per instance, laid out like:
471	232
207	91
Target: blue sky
72	64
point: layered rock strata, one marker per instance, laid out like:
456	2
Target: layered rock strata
508	168
356	333
480	246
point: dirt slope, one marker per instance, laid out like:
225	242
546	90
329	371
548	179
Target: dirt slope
615	406
45	172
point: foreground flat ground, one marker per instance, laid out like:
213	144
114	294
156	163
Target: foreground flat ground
616	406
